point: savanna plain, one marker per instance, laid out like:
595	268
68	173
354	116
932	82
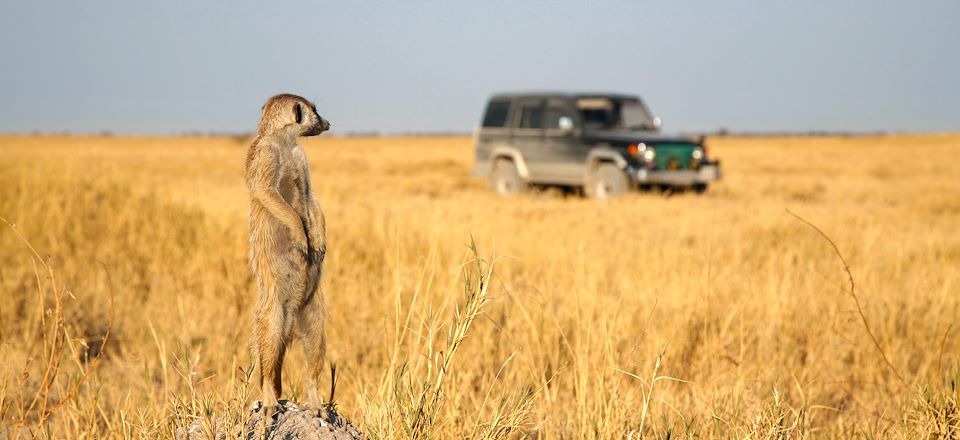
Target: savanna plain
126	293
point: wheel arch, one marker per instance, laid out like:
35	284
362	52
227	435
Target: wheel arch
606	154
510	153
599	155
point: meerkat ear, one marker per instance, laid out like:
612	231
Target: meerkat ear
298	113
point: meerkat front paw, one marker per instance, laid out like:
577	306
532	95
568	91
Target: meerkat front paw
316	255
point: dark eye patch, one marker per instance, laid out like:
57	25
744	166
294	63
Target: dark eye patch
298	113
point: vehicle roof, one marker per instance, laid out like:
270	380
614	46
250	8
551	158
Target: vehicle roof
568	95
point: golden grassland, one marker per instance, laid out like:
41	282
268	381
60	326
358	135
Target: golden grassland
714	316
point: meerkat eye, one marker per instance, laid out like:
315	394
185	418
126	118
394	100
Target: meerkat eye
298	113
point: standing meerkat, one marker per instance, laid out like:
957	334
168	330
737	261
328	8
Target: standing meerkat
287	243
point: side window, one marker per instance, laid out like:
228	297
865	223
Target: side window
553	114
496	115
531	116
596	112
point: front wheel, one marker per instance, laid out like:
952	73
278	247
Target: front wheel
506	179
700	188
607	180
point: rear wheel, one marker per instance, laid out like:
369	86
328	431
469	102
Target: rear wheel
505	178
607	180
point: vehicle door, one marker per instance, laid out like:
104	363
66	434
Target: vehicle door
527	134
565	156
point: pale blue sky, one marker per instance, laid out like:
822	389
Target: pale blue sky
181	66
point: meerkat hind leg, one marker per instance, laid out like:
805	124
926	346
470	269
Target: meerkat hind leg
272	336
310	325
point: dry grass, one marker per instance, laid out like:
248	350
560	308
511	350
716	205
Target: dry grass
710	316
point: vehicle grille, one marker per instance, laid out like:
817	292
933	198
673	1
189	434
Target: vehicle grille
674	157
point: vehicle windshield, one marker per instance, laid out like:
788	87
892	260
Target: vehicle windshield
614	114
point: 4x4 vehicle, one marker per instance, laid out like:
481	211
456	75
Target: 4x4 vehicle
605	144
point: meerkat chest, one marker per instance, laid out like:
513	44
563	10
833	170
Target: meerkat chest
292	160
292	176
297	157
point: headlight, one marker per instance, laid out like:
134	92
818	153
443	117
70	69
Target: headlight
697	154
649	154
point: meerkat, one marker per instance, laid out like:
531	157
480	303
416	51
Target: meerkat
287	244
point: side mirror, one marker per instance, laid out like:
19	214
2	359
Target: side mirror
565	124
656	123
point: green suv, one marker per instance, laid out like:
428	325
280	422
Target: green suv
605	144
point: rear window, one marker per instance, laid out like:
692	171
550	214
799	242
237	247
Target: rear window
496	115
615	114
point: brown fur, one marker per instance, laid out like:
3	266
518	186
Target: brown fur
287	243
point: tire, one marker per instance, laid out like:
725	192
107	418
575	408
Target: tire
505	179
700	188
607	180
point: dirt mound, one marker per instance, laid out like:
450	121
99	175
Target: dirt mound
293	422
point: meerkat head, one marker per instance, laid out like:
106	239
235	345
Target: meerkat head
292	114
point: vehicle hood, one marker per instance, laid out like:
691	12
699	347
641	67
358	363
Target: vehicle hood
629	137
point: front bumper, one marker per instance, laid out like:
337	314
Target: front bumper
705	174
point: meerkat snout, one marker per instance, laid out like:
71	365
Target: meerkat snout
311	121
